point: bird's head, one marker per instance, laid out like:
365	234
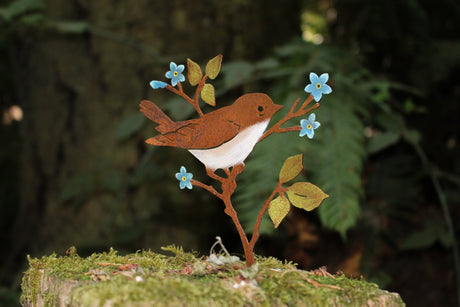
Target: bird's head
254	108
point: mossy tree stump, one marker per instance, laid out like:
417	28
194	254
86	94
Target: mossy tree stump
150	279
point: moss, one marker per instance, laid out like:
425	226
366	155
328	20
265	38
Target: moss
150	278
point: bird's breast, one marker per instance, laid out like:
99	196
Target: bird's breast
234	151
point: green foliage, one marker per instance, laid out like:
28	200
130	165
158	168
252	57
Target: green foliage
70	27
334	158
31	13
433	231
20	8
129	125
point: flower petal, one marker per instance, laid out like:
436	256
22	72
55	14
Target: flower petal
172	66
313	77
323	78
302	132
188	184
316	125
180	68
317	95
181	78
327	89
303	124
158	84
312	118
309	88
169	74
310	133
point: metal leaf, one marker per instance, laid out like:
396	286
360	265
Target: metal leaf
278	209
194	72
291	168
208	94
213	66
305	195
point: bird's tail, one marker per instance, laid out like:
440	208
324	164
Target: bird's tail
154	113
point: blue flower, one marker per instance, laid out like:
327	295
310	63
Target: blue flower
175	74
184	178
318	86
158	84
309	125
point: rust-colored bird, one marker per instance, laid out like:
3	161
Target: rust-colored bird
220	139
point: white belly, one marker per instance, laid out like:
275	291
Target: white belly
234	151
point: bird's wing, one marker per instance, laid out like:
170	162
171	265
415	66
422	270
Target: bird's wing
198	133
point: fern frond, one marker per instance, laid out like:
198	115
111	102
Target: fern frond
334	158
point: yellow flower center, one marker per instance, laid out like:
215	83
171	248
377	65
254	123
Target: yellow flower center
184	178
318	85
175	74
308	127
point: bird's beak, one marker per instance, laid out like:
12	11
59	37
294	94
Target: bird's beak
278	107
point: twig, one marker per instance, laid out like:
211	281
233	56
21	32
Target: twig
207	187
276	128
181	93
255	235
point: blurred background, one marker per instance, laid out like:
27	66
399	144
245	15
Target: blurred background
75	170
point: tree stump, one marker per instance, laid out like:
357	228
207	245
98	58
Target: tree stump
185	279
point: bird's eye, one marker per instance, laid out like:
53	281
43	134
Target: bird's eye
260	108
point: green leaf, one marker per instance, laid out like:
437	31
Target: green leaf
71	27
237	73
113	182
129	125
20	7
213	66
208	94
419	240
305	195
194	72
291	168
433	231
382	141
278	209
412	136
33	19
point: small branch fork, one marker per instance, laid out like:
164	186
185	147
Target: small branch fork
276	128
229	183
193	102
228	187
